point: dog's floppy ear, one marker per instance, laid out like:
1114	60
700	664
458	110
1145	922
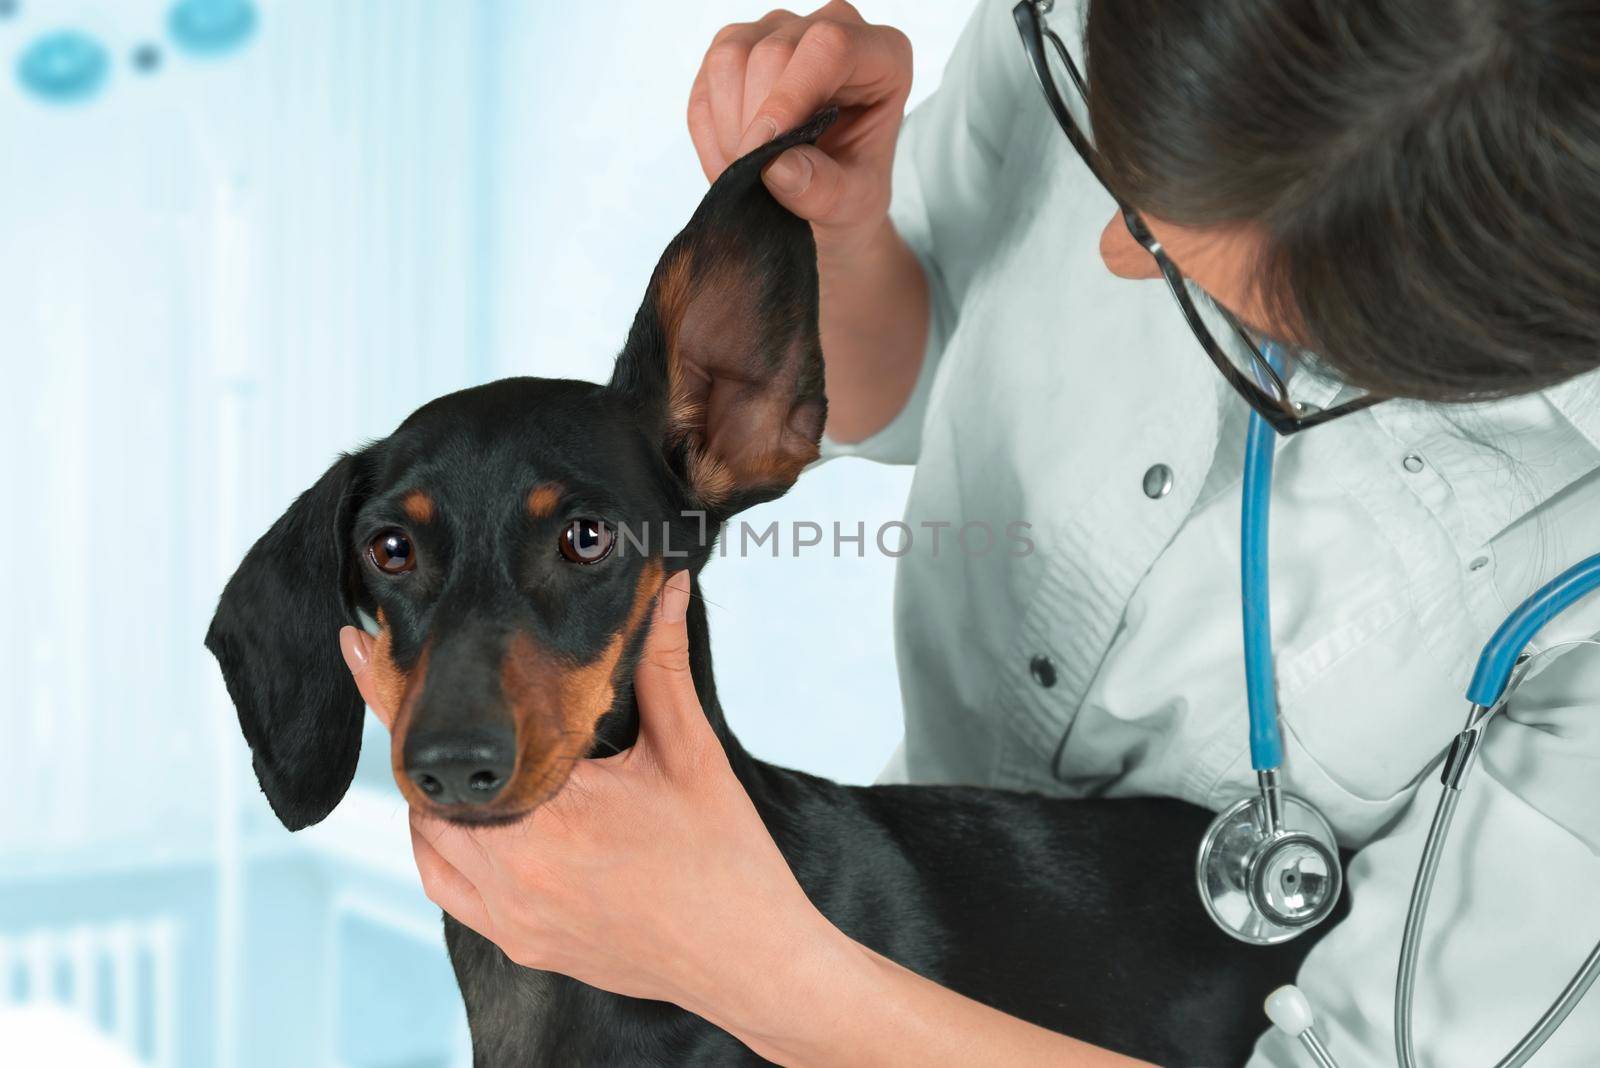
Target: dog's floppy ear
723	360
276	637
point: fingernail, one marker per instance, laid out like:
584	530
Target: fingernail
757	134
675	598
355	652
790	173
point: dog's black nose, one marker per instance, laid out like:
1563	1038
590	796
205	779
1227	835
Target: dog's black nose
461	767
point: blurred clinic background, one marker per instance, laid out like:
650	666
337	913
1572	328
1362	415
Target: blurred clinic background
237	237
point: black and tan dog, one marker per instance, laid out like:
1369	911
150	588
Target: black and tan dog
495	541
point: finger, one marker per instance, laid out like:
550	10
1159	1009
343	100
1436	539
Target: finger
721	84
768	59
703	132
447	887
724	68
357	648
808	182
669	707
834	62
819	66
459	846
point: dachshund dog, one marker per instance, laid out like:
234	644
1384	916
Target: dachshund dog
499	544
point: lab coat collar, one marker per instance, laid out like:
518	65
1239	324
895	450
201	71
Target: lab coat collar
1579	401
1485	466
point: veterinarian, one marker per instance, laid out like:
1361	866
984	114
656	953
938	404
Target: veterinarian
1407	189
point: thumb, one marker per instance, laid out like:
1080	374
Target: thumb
669	707
808	182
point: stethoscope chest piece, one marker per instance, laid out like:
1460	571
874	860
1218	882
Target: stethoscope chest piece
1266	886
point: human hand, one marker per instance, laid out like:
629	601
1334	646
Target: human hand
761	78
650	874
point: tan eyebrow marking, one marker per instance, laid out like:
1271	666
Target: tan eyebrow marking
418	506
542	500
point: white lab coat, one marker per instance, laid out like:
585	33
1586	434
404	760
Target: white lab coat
1108	660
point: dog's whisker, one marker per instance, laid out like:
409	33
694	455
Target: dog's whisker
708	601
596	740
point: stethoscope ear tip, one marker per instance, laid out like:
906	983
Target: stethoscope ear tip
1289	1010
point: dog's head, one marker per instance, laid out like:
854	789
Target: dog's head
505	544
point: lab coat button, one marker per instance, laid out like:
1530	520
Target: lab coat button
1158	482
1043	670
1412	463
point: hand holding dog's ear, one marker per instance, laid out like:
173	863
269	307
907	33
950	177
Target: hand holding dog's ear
759	78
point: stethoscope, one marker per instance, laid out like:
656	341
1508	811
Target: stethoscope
1268	867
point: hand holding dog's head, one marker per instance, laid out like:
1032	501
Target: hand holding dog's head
507	540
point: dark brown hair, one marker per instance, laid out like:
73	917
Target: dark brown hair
1427	171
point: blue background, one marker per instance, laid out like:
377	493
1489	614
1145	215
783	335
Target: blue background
217	271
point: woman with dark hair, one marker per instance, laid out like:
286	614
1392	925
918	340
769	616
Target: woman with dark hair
1401	195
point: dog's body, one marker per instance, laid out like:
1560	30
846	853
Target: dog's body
1080	916
482	539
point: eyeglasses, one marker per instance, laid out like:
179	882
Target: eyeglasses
1253	375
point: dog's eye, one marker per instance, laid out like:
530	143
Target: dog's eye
391	553
586	541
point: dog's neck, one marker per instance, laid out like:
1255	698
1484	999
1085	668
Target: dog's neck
700	662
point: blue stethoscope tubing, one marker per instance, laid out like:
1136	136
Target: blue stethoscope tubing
1266	740
1496	668
1499	657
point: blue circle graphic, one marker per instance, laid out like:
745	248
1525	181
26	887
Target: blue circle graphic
147	58
63	67
211	27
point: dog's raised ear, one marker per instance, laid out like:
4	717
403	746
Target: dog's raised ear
276	637
723	360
